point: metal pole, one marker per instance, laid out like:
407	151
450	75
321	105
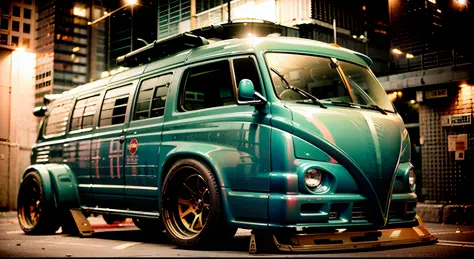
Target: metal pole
334	28
366	44
228	11
193	15
131	30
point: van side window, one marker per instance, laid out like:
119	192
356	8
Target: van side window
114	106
152	97
58	118
245	68
207	86
83	113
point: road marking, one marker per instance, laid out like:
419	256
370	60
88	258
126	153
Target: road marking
126	245
455	243
66	243
15	232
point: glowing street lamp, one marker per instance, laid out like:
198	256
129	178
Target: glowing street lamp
397	51
408	55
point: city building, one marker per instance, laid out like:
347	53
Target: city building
18	126
432	87
137	21
361	25
69	52
17	23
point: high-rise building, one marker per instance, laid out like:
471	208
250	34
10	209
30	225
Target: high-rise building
69	52
130	28
361	25
17	23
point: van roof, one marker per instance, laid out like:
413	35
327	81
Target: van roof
225	48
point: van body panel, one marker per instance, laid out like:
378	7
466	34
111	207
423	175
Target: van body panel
260	154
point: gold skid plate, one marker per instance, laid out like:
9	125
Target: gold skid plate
357	240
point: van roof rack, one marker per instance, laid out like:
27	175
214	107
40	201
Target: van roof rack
168	46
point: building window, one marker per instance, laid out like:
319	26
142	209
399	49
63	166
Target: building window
26	28
16	11
3	39
152	97
26	43
4	23
16	26
83	113
48	83
26	13
58	118
197	92
15	40
114	106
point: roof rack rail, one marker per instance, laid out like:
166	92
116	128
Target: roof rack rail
162	48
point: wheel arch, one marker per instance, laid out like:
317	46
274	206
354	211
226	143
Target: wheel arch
59	184
196	152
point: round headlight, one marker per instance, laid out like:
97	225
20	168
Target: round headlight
412	180
313	178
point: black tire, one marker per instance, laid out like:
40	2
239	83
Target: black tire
149	225
186	229
111	219
35	215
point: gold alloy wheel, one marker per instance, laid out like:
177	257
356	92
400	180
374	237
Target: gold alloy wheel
190	212
29	203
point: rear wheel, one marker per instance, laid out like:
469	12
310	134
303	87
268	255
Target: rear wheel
34	213
192	206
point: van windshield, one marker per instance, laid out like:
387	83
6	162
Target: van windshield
319	77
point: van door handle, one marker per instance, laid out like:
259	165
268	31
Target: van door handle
122	139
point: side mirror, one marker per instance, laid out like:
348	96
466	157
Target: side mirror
247	94
39	111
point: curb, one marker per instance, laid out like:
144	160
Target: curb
447	214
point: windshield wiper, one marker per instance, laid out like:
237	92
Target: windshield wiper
300	91
348	104
373	107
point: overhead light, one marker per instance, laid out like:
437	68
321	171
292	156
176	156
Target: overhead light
131	2
75	49
361	36
412	101
408	55
354	36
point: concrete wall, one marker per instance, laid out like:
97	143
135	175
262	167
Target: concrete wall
18	125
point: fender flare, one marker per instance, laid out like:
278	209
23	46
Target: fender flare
59	185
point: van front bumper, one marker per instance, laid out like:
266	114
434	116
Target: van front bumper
325	242
336	211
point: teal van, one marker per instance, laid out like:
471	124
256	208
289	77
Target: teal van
200	138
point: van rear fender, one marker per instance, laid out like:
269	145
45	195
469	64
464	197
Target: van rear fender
59	184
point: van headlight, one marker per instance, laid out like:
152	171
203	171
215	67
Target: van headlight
313	178
412	180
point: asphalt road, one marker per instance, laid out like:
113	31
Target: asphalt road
125	240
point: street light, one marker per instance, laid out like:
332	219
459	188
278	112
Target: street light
397	51
107	14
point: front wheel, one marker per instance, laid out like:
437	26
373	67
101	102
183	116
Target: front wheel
192	207
35	214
